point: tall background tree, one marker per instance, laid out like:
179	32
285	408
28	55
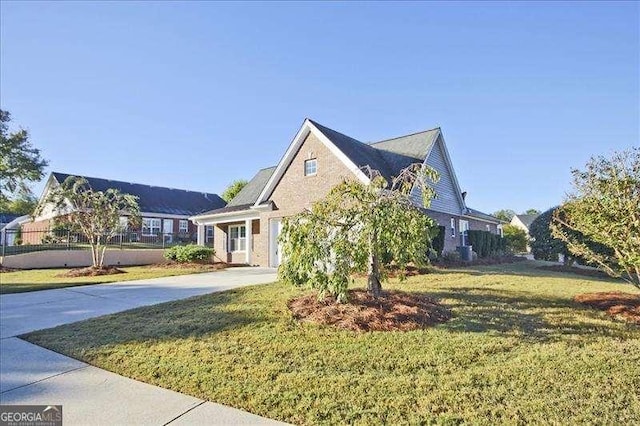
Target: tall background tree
96	214
600	220
545	246
233	189
20	163
505	214
532	211
359	228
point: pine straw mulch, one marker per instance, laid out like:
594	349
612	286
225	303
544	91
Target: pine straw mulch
587	272
91	272
4	269
614	303
393	311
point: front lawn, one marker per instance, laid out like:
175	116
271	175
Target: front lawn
43	279
518	350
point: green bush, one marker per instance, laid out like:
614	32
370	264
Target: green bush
438	241
485	243
516	239
189	253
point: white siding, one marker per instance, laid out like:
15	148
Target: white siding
447	200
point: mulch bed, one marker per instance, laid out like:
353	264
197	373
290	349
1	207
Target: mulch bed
3	269
393	311
614	303
91	272
575	270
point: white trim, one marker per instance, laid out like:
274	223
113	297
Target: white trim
225	217
298	140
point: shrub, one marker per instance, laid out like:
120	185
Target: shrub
438	241
485	243
189	253
515	238
451	256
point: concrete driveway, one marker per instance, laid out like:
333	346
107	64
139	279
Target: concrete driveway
30	374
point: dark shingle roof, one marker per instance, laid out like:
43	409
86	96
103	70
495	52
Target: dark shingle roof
527	219
251	191
229	209
7	217
416	145
481	215
156	199
390	156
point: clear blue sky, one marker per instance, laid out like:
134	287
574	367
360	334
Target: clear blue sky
195	95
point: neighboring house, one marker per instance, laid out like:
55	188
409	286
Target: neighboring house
524	221
163	210
9	225
318	158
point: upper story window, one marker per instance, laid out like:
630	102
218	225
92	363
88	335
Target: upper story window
311	167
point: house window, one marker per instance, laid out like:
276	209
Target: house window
208	233
310	167
183	227
488	228
150	226
237	238
500	231
453	228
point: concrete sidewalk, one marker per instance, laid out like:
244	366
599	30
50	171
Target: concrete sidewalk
30	374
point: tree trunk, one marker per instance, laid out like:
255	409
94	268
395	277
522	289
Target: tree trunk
373	282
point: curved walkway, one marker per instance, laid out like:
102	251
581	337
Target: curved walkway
30	374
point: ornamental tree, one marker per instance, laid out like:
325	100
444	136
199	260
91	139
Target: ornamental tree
95	213
360	228
600	220
516	238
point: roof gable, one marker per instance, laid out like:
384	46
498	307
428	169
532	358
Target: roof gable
156	199
448	194
251	191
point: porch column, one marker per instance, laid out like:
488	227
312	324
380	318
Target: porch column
247	227
201	235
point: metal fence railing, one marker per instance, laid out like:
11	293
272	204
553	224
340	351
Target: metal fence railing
14	241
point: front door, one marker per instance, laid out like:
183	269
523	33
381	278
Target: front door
167	230
275	255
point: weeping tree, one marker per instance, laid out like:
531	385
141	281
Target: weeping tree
360	228
96	214
600	221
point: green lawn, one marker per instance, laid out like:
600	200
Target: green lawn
518	350
43	279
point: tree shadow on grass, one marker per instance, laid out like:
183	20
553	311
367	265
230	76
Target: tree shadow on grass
540	319
195	317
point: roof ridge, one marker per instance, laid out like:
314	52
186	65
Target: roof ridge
136	183
404	136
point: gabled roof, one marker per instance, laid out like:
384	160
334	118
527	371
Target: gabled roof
156	199
415	145
251	191
527	219
480	215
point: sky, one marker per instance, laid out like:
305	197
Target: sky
195	95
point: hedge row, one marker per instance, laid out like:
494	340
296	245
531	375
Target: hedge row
189	253
486	243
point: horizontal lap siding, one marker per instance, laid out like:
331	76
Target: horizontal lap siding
447	199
